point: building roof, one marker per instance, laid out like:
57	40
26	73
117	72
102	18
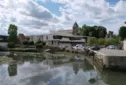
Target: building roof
114	52
65	34
22	36
68	31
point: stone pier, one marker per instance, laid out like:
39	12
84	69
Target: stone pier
108	58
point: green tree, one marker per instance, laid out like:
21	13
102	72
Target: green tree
93	31
122	32
102	32
12	33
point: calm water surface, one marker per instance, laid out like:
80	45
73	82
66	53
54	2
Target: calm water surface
35	71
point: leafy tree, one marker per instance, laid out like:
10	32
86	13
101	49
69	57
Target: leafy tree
102	34
12	32
93	31
122	32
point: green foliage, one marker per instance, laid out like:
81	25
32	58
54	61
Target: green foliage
40	45
31	43
26	43
93	31
92	41
102	41
38	42
11	45
12	32
122	32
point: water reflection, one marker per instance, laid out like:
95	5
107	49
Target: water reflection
12	69
44	72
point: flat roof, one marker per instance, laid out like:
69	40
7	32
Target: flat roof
113	52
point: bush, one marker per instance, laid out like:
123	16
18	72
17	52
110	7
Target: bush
39	46
43	43
102	41
25	43
11	45
38	42
31	43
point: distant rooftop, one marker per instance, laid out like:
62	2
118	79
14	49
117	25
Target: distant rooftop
68	31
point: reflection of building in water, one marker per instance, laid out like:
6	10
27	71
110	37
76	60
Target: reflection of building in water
12	69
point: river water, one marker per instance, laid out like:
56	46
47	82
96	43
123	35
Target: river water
36	71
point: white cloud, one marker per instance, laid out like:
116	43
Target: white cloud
33	18
95	11
30	17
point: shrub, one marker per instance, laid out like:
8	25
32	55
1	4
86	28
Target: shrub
39	46
43	43
31	43
38	42
25	43
11	45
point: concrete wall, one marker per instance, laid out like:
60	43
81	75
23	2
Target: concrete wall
54	43
117	61
36	38
3	44
124	44
47	37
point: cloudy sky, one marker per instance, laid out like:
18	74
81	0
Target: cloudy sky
42	16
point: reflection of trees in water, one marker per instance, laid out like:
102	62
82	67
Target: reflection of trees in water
75	67
114	78
21	58
86	66
12	69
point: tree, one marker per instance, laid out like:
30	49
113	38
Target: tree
93	31
12	32
122	32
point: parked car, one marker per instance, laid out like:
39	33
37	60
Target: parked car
95	48
119	47
111	47
78	47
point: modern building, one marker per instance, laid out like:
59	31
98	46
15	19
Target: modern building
3	40
65	39
124	45
62	38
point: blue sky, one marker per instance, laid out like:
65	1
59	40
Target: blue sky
53	7
113	2
34	17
